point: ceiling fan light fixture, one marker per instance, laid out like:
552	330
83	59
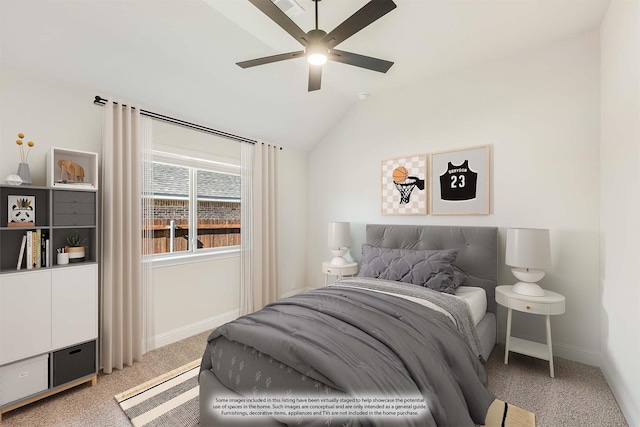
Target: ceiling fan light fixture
317	55
317	59
319	46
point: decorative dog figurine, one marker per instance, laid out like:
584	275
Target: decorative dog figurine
74	171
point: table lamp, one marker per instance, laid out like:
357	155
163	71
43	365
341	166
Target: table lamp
339	241
528	251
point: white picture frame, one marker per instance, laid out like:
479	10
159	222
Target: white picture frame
459	181
21	211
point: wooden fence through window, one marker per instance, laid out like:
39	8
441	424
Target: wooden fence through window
212	233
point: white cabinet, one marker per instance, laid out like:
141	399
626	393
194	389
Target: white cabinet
74	305
25	315
48	313
46	310
24	378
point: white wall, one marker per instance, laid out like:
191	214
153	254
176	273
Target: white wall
187	299
620	204
51	114
539	111
189	142
292	220
195	295
184	299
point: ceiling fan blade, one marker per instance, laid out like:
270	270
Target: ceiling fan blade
315	77
361	61
270	59
369	13
279	17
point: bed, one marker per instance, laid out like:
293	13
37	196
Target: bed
377	335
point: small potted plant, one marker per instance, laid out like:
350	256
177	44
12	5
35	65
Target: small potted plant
75	248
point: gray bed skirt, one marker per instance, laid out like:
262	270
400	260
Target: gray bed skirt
487	334
211	387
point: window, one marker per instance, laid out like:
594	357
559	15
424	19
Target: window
192	206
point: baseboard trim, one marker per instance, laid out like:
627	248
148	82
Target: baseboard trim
629	410
187	331
576	354
295	292
564	351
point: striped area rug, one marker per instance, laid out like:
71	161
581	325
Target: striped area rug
169	400
502	414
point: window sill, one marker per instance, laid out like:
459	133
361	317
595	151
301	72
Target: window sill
188	257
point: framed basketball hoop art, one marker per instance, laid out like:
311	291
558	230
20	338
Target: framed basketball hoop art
404	190
460	181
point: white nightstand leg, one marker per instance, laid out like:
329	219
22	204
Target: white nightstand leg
549	345
506	345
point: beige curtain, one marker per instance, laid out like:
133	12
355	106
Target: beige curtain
259	256
122	340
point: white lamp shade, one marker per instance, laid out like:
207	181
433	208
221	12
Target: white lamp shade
339	234
528	248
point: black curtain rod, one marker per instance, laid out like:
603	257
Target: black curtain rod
101	101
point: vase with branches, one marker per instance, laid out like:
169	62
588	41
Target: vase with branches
23	167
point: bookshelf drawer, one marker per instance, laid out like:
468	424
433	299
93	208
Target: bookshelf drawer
73	363
76	197
24	378
74	219
74	208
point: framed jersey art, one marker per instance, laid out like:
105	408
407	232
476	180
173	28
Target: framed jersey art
460	181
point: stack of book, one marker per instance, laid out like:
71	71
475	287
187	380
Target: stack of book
34	250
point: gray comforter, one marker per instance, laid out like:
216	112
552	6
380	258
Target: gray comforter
365	344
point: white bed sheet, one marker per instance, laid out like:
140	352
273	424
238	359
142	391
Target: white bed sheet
476	299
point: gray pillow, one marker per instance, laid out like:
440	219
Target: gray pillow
428	268
459	277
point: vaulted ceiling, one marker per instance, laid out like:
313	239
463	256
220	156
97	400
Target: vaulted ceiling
178	56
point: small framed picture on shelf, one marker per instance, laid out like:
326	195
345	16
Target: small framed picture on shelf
21	211
460	181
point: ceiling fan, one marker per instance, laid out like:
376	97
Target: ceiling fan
319	46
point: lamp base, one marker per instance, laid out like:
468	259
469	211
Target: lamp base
528	275
528	288
338	255
338	260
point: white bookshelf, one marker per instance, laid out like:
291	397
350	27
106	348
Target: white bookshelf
56	178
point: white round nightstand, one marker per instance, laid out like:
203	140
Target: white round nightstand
550	304
349	269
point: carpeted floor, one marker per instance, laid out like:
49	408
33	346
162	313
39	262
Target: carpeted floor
86	406
577	396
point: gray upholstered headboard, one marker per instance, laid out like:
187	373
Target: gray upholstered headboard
477	248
